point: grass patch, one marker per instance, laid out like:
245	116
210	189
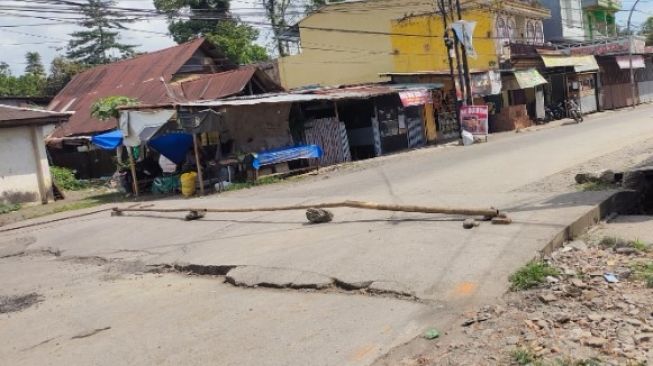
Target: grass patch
8	207
523	356
644	272
90	202
531	275
65	179
639	245
614	242
595	186
261	182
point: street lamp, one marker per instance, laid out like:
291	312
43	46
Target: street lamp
630	55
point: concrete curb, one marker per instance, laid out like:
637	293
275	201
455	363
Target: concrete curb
620	202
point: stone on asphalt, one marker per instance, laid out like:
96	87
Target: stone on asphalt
319	215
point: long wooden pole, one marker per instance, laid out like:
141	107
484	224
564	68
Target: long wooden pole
132	167
488	212
200	178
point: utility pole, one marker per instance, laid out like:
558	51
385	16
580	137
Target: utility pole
463	85
630	56
468	83
449	44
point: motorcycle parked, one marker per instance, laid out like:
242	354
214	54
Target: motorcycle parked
573	109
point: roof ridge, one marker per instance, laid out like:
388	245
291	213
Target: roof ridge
213	74
31	109
198	39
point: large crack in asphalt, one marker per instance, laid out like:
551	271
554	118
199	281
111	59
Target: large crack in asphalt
251	276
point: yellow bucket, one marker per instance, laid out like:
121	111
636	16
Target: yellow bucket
188	183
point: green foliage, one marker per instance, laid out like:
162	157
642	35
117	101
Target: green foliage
8	207
107	108
644	271
276	13
595	186
236	40
34	64
198	10
97	42
62	71
614	242
65	179
260	182
311	6
4	69
647	31
639	245
531	275
27	85
523	356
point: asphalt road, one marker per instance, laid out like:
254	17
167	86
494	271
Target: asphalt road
382	278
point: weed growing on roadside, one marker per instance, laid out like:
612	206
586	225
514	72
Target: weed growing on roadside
523	356
260	182
531	275
595	186
65	179
639	245
7	207
643	271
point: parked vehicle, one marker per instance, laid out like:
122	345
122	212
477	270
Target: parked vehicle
573	110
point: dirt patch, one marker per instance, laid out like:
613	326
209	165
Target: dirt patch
10	304
594	311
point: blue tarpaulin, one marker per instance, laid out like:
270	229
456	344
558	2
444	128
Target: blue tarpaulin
108	140
173	146
286	154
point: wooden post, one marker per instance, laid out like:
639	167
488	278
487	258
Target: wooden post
335	108
132	167
197	163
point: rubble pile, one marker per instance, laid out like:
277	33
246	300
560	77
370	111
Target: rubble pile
598	310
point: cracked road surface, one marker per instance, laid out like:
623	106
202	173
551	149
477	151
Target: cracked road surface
342	293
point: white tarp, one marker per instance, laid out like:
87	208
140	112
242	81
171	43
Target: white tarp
132	123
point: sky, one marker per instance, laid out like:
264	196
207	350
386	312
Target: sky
50	40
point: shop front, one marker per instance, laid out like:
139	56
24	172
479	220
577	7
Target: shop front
573	77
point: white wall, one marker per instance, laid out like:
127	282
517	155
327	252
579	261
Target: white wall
18	165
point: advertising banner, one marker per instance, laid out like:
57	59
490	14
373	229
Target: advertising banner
474	119
415	98
464	32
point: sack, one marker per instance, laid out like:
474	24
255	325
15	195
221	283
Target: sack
188	181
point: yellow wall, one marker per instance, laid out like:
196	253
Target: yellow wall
333	58
428	53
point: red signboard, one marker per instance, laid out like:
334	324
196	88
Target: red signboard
474	119
415	97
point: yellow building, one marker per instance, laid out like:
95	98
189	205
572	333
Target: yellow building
418	43
346	43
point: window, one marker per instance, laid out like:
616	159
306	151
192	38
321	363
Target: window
539	33
511	29
530	32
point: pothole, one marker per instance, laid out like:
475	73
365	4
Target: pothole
10	304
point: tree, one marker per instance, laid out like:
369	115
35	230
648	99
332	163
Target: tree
203	17
647	31
236	40
27	85
4	69
311	6
276	12
62	71
96	44
107	108
34	64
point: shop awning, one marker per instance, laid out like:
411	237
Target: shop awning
584	63
529	78
624	62
140	126
108	140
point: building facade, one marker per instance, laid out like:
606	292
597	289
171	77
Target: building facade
345	43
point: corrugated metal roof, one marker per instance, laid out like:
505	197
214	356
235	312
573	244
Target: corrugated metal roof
216	86
353	92
16	116
139	77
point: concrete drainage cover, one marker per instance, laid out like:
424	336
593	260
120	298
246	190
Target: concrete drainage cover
251	276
